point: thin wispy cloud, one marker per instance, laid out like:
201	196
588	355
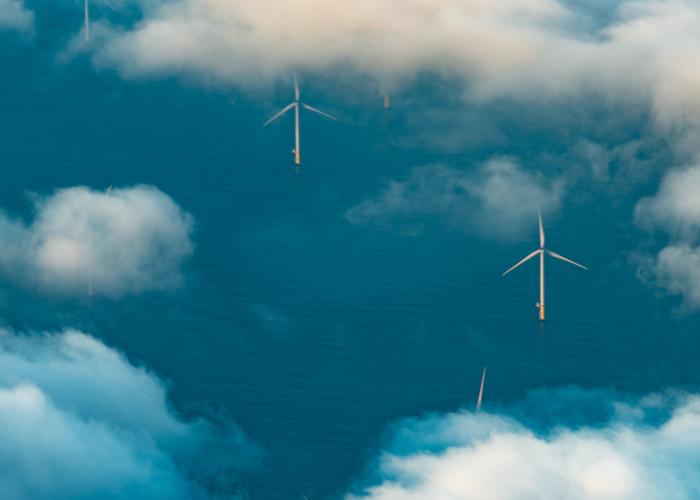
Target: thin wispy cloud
497	199
111	243
14	15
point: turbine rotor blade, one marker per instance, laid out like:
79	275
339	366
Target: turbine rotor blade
296	88
110	5
561	257
539	217
533	254
311	108
481	390
280	113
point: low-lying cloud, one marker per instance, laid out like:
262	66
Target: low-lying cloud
644	450
675	210
635	52
15	16
79	421
241	42
110	243
497	199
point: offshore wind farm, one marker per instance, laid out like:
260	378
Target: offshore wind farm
184	317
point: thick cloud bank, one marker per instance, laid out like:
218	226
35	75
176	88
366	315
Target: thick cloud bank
648	450
242	41
675	210
634	51
498	199
111	243
79	421
15	16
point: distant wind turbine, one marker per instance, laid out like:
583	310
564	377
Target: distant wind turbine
296	104
481	390
541	251
86	18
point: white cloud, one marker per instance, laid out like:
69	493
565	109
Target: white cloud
240	42
15	16
676	269
118	242
634	456
675	209
676	206
498	199
640	52
78	421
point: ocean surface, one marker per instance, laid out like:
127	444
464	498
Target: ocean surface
311	333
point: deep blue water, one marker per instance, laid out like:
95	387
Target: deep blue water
311	333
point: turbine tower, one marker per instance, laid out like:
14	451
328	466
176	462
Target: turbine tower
296	105
541	252
86	20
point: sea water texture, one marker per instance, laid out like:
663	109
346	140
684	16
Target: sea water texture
186	317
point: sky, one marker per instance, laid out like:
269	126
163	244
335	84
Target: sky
184	316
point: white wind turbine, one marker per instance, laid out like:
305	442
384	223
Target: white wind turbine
541	251
296	104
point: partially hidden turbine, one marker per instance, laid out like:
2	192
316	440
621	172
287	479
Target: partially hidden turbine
86	17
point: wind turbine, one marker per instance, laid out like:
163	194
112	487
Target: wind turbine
296	105
480	398
86	17
541	252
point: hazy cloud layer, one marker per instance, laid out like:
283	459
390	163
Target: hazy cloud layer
675	210
15	16
498	199
79	421
647	450
111	243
